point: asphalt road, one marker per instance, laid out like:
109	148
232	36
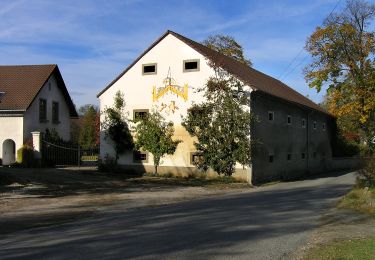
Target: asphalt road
265	223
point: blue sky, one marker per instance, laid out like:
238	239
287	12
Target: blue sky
92	41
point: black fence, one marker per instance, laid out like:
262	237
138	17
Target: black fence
62	153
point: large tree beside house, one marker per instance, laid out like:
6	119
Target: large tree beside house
221	125
155	135
116	126
343	52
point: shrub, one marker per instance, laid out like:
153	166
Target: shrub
109	164
25	156
368	173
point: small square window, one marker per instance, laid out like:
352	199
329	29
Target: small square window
139	114
314	125
139	157
303	155
149	69
270	116
270	158
195	158
303	123
289	120
289	157
191	65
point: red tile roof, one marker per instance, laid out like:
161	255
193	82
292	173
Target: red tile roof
22	83
256	79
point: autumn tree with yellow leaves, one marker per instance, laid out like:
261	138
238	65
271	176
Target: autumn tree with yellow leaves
343	51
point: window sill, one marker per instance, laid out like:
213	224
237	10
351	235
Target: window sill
43	121
56	122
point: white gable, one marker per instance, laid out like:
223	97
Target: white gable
168	54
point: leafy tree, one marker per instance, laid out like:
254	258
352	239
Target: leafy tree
222	122
154	135
88	132
115	126
228	46
343	58
83	109
221	125
52	135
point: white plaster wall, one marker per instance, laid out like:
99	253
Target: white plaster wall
137	89
31	122
11	128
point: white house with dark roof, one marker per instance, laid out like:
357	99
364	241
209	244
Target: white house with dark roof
32	99
293	133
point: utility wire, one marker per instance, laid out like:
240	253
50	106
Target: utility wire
285	72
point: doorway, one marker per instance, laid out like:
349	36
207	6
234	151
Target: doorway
9	152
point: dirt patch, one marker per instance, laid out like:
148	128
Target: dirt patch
39	197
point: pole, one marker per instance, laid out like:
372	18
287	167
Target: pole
79	155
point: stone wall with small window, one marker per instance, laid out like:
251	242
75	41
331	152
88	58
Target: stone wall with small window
291	140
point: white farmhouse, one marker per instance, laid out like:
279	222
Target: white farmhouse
32	98
293	132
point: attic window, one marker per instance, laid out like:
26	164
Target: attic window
191	65
2	94
149	69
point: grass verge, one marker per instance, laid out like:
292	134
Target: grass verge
360	198
350	249
215	183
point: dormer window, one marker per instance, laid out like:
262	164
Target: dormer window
149	69
191	65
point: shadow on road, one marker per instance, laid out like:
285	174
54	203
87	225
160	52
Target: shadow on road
267	222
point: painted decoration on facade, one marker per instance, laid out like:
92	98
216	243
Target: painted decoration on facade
170	86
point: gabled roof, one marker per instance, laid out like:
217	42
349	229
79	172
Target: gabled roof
257	80
22	83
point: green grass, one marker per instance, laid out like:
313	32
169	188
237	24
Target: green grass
360	198
350	249
217	183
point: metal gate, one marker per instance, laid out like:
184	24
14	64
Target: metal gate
62	153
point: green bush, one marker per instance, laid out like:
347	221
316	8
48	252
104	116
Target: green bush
109	164
25	156
368	173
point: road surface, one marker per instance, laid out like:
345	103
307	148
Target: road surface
264	223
